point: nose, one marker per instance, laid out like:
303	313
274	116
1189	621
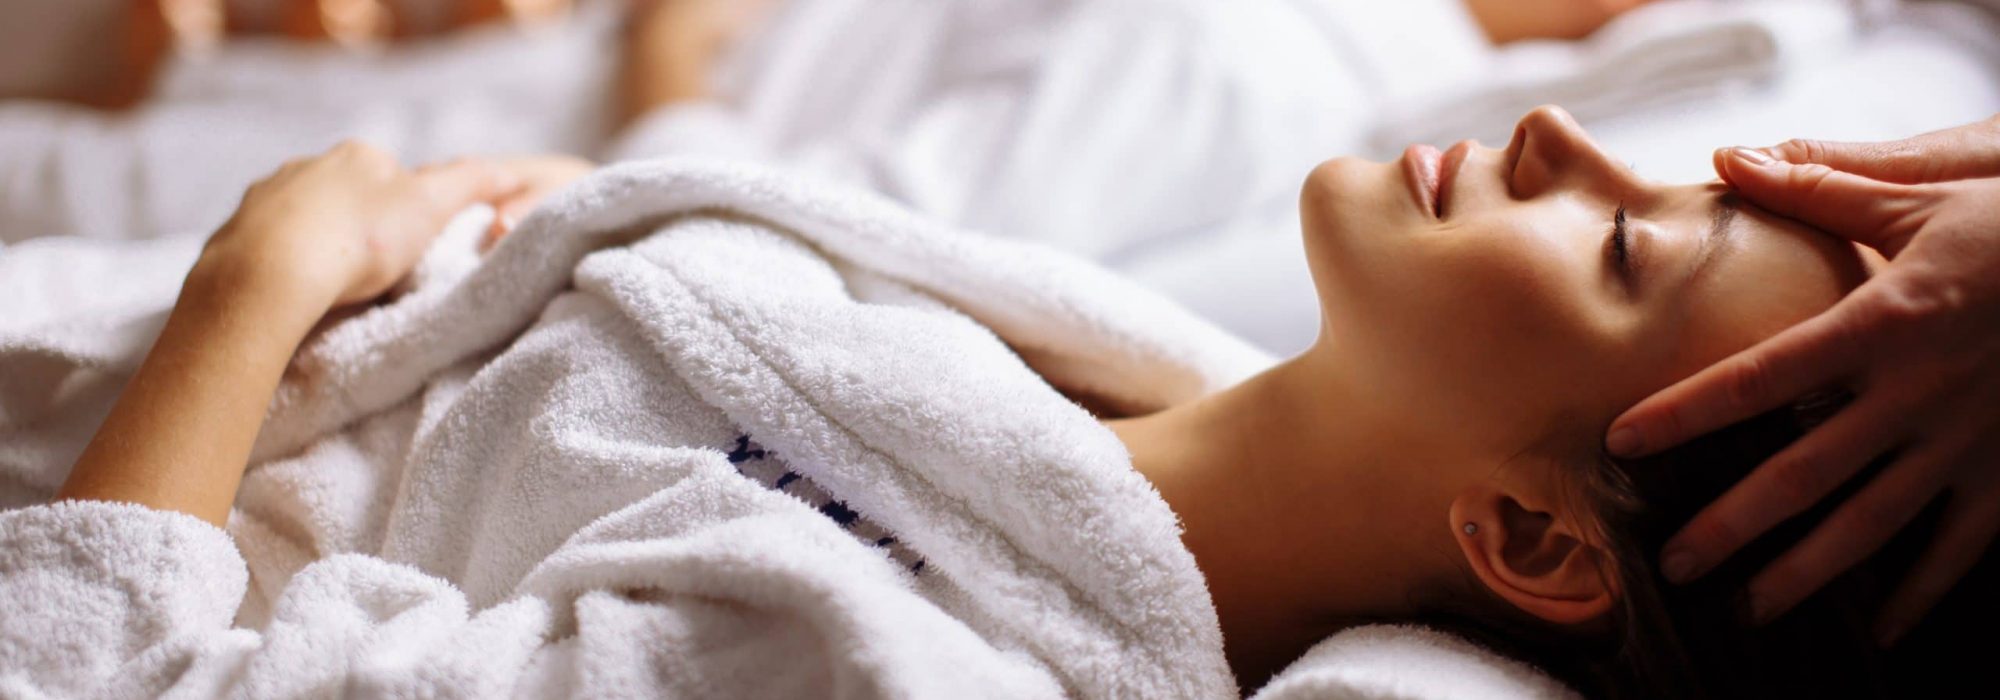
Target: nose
1550	151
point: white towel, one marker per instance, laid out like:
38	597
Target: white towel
1399	662
559	474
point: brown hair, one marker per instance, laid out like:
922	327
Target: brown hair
1683	641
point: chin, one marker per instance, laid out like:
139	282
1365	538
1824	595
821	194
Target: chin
1331	180
1327	213
1343	205
1328	195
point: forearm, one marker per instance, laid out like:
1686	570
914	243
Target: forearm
334	229
180	436
1514	20
654	74
671	46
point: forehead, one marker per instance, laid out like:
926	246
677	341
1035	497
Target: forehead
1758	275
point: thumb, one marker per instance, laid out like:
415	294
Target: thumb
1877	214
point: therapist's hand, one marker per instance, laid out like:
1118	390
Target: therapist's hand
1918	345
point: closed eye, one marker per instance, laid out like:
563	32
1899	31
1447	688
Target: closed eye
1619	247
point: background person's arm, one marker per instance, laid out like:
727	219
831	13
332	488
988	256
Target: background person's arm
1918	345
1516	20
671	47
333	230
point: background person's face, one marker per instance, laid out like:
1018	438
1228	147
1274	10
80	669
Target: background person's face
1508	301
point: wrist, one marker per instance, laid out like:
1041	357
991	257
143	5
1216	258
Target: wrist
258	281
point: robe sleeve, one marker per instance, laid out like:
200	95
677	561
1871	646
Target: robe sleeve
88	587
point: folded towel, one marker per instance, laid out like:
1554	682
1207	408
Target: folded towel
691	430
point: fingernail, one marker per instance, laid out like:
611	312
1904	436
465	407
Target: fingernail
1624	442
1677	566
1752	157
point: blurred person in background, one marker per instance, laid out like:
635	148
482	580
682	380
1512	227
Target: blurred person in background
146	30
996	116
75	67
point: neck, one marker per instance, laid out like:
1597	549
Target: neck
1297	520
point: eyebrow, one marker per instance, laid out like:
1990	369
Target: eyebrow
1721	227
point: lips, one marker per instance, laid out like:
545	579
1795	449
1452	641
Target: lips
1421	167
1449	164
1430	174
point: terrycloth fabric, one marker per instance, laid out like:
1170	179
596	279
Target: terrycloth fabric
1407	661
571	471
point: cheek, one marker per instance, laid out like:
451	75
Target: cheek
1487	327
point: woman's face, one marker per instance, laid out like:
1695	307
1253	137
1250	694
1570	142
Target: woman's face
1494	291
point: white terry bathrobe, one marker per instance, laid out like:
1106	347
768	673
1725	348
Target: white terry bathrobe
693	430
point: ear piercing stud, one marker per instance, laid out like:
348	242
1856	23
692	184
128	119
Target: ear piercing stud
1471	528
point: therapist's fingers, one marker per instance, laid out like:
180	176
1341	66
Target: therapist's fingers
1881	215
1958	153
1818	353
1965	532
1783	486
1855	529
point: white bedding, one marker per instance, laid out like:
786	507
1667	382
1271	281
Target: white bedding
1905	69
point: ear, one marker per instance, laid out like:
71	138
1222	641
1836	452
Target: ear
1529	553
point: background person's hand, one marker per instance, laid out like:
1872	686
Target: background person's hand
1918	346
344	226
